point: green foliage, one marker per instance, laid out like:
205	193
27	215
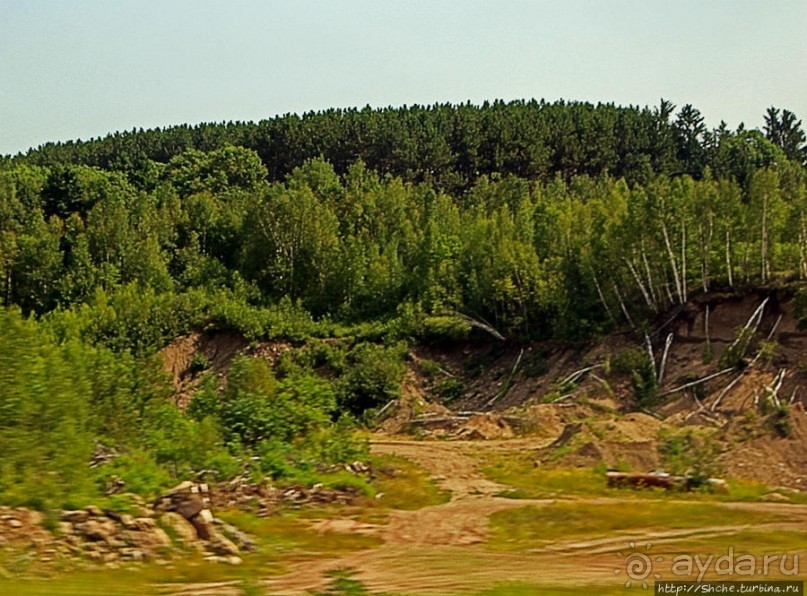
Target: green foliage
448	389
781	422
343	584
636	364
287	424
373	378
768	351
689	454
185	445
362	228
254	407
46	421
732	356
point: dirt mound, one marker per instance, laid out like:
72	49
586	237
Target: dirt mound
769	457
186	357
637	456
396	417
485	427
630	428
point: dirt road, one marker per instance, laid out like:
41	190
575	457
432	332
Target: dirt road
441	550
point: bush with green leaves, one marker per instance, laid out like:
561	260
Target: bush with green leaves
288	424
373	377
46	420
636	364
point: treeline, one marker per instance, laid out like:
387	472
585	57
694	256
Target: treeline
450	146
351	233
561	259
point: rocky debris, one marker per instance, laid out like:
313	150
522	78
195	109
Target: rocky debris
264	499
181	528
662	480
191	501
111	538
108	536
242	540
468	426
187	510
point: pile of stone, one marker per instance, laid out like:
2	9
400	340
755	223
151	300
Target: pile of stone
179	519
264	499
23	526
109	537
186	510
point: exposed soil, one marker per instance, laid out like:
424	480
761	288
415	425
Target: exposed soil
567	407
440	550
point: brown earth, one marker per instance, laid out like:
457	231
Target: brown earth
440	549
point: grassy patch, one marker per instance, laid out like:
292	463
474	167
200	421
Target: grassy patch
756	541
285	535
100	583
530	589
528	527
405	485
534	482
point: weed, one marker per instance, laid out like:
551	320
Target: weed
343	584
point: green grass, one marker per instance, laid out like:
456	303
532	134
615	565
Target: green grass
529	589
100	583
757	541
533	527
289	535
536	482
405	485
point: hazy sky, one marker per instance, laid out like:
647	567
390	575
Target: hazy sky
82	68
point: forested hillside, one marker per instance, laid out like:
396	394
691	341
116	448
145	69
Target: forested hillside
541	221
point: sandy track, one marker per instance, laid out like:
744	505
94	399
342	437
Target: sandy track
440	550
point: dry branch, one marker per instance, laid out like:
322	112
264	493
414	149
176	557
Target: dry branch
667	345
697	382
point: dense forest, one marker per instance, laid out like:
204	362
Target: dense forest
539	220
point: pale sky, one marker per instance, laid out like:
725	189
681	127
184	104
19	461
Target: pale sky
83	68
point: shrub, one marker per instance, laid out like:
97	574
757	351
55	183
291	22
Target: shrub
636	363
373	377
732	356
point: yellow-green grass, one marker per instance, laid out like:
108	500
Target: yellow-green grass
530	589
405	485
534	527
281	539
529	481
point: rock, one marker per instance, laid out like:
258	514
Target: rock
144	524
127	521
203	522
65	528
15	523
143	511
132	554
181	527
233	560
183	486
99	530
775	498
243	541
94	511
222	545
76	517
151	540
190	507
